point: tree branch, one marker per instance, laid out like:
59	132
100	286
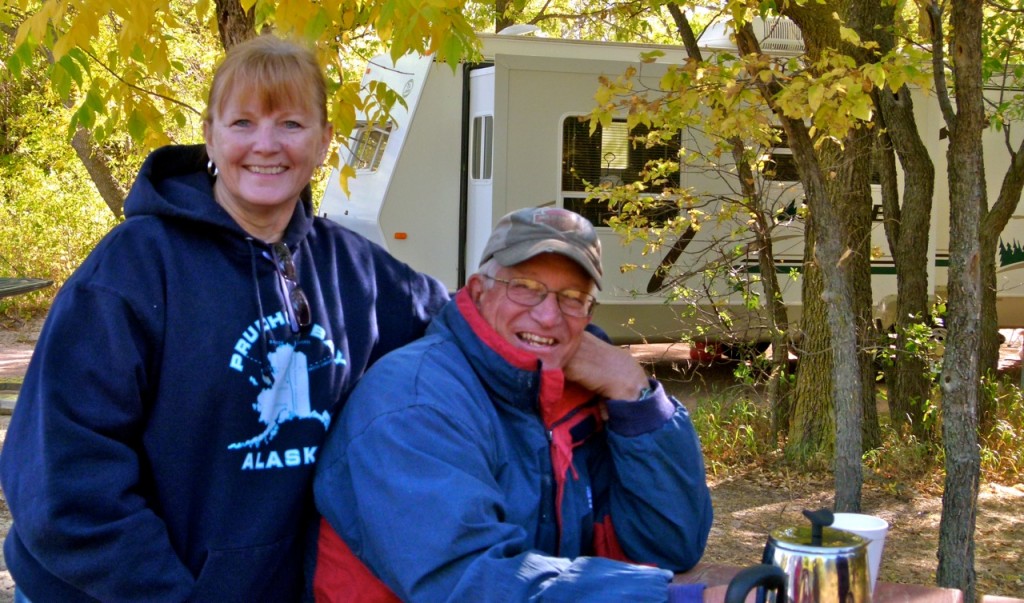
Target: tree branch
138	88
1004	7
934	13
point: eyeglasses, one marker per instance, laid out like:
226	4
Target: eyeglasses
300	316
528	292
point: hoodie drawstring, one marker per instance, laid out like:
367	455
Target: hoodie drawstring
265	372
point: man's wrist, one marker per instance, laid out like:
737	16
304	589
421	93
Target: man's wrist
631	391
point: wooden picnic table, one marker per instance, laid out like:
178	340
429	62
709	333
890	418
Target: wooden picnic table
10	286
717	577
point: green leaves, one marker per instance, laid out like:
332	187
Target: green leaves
85	117
67	71
19	59
848	35
815	96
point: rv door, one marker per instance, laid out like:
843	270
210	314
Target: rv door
480	169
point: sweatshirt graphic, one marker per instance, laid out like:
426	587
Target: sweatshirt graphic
286	398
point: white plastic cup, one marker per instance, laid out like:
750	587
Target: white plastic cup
870	528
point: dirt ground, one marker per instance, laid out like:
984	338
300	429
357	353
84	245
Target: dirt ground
748	506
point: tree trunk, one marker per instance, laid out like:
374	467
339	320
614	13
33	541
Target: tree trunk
99	170
988	329
865	18
992	226
960	368
234	23
96	163
849	190
907	228
812	420
853	192
814	423
501	17
842	219
777	390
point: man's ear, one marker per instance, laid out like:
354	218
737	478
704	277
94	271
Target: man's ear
475	287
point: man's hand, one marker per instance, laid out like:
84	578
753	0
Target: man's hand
606	369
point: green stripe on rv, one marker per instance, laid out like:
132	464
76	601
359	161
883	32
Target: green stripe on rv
800	269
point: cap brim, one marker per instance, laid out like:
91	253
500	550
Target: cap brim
516	254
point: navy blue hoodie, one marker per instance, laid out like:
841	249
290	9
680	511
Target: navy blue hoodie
163	444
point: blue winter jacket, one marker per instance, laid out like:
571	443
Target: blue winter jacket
444	473
163	444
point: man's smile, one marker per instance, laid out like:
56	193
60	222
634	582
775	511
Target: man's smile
536	340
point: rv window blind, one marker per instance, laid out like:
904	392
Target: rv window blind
483	136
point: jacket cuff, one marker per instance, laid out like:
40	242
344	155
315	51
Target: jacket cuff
635	417
685	593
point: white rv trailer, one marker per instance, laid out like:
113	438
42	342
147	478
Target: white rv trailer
489	138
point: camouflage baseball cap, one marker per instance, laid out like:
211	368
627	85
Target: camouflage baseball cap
529	232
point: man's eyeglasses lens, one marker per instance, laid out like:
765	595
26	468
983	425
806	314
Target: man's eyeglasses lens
529	292
296	296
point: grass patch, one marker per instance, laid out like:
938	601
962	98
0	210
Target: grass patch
733	432
1002	438
736	434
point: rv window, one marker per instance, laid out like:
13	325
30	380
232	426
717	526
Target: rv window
483	133
781	167
368	145
614	156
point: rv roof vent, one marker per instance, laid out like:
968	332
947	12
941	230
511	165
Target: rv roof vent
775	34
521	29
778	33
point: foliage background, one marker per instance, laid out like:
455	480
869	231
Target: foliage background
52	214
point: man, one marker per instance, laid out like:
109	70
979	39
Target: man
510	455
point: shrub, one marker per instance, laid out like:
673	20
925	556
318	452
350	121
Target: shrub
733	433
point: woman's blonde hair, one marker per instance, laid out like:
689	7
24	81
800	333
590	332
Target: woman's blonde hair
279	73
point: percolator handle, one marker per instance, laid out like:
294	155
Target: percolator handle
819	519
770	577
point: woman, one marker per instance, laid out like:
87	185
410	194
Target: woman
164	441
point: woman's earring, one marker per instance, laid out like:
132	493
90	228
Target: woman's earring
211	169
